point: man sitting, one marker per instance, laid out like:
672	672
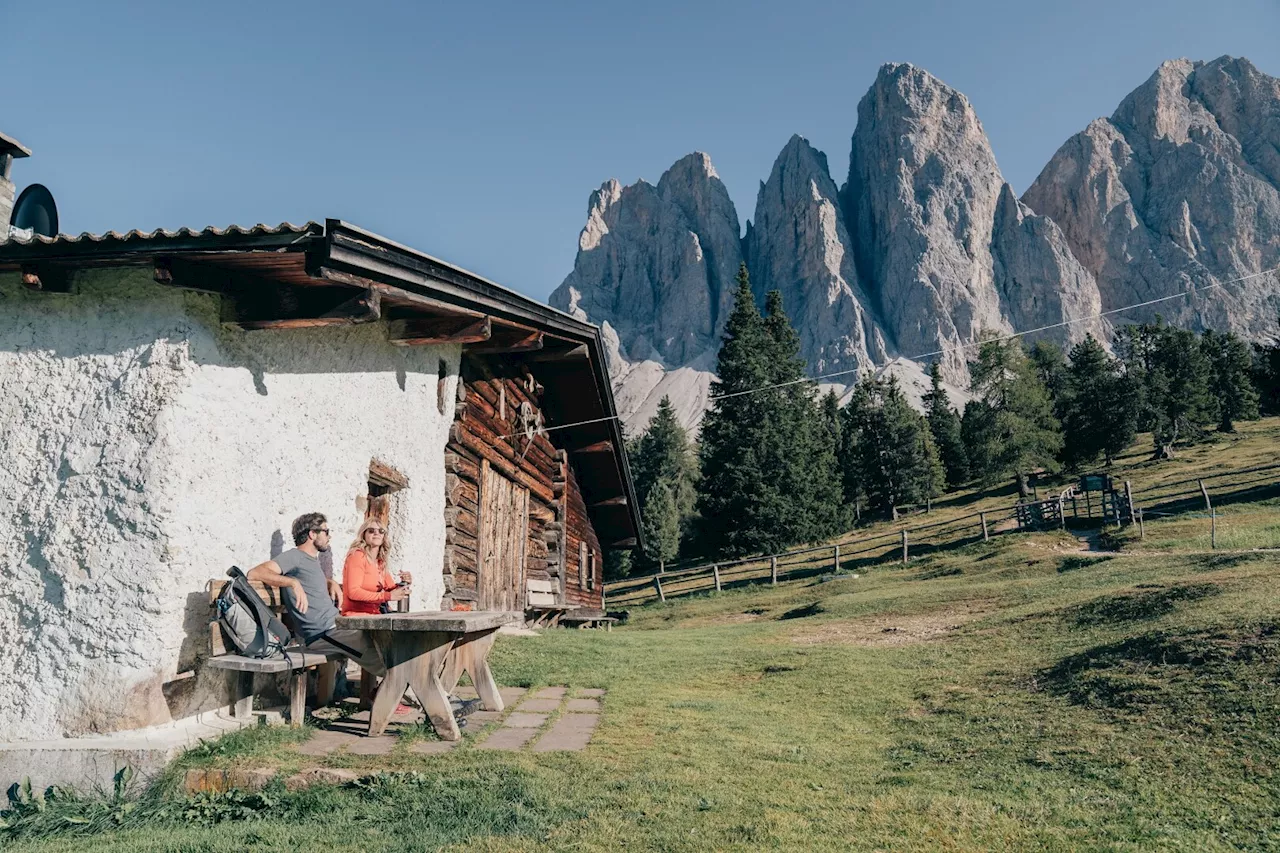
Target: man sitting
311	598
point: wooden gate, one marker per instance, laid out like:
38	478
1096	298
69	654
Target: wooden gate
503	532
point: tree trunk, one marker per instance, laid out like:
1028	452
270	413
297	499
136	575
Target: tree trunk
1023	489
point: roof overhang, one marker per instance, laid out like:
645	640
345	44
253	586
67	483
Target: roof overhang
317	275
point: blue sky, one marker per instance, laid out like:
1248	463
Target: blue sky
476	131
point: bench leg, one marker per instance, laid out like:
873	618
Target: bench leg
297	697
326	682
243	708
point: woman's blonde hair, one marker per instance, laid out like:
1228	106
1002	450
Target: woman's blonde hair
383	549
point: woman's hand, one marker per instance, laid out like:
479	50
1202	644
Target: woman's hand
406	578
398	593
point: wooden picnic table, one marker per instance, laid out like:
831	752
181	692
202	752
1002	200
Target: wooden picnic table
429	651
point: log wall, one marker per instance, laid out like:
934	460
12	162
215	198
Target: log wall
492	422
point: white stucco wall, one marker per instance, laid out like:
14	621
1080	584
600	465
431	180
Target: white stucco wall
146	449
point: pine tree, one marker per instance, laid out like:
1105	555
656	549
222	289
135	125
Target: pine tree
1099	410
663	453
661	520
735	495
978	431
944	425
1023	434
802	453
1230	381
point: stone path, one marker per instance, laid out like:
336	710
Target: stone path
553	719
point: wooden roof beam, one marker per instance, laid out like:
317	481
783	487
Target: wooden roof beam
44	278
365	308
439	330
605	446
620	500
522	341
578	351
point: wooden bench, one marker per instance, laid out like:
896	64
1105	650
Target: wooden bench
540	602
297	664
587	620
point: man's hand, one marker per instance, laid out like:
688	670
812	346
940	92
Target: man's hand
335	591
299	597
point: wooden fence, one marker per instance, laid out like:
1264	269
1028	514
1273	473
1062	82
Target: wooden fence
1121	507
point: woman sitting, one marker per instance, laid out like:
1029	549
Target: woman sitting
367	587
366	583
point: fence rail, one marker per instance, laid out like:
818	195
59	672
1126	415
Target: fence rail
1160	500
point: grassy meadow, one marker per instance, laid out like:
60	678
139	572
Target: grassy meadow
1020	694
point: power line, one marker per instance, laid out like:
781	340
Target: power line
955	348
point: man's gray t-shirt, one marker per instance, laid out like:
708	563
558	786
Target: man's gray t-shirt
321	614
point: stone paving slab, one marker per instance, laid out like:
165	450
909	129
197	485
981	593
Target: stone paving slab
380	745
589	705
551	693
571	733
477	719
324	742
519	720
508	739
511	695
541	706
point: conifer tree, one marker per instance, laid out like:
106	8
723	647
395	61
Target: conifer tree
663	453
944	425
893	454
661	521
1023	433
1230	381
1173	373
1051	368
1266	377
1099	408
735	494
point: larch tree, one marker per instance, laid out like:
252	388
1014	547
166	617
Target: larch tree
1022	433
1099	406
1230	380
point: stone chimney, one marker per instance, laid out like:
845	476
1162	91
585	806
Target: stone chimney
10	149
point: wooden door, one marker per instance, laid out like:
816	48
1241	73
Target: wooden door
503	532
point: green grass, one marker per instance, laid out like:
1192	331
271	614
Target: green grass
1013	695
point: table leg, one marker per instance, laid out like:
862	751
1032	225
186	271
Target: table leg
471	655
396	651
425	679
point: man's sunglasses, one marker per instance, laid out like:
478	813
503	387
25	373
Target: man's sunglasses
323	530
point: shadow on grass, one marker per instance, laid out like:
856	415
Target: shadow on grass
1219	668
802	612
1138	606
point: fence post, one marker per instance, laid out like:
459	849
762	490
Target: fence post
658	586
1062	515
904	546
1128	498
715	570
835	563
773	571
1142	527
1213	517
1088	506
985	535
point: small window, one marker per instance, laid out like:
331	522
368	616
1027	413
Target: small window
442	386
591	569
582	565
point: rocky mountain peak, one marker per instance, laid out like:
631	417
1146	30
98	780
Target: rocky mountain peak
798	244
920	203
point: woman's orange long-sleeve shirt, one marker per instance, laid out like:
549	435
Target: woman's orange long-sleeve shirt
366	585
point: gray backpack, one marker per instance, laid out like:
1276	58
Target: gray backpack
248	622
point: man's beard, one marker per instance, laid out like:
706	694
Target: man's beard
322	548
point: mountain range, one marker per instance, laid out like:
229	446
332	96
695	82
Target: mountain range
925	246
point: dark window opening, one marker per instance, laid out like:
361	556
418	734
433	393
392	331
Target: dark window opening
442	385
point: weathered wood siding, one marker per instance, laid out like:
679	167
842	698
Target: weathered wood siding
491	425
584	582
